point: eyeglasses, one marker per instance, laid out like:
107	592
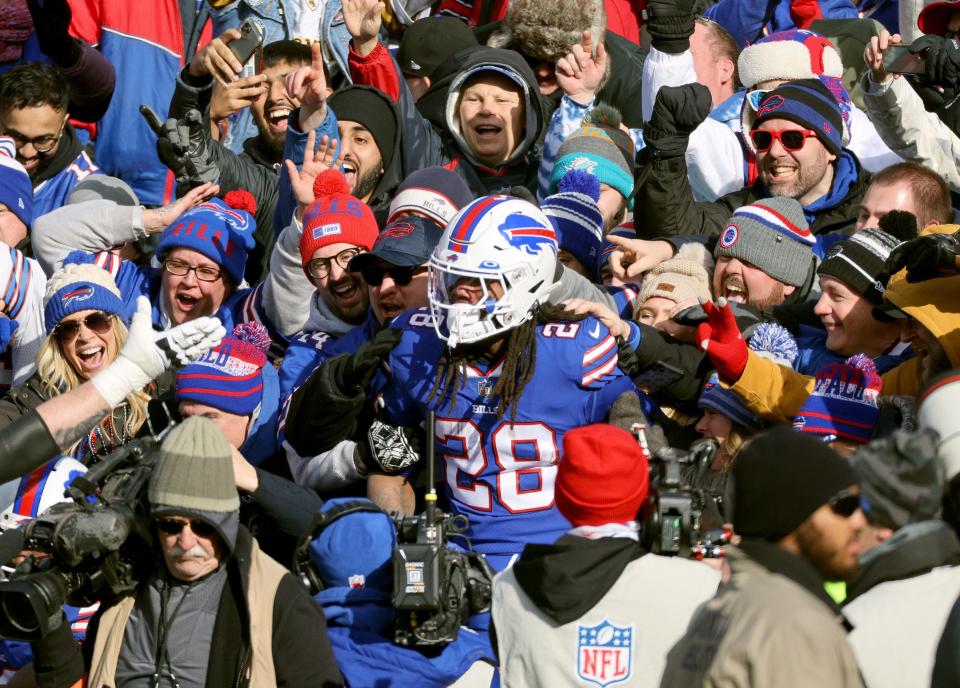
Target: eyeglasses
97	323
172	526
790	139
845	503
318	268
402	275
204	273
41	144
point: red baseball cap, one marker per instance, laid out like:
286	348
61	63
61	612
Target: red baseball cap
934	17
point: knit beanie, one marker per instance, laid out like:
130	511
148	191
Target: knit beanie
602	477
575	217
369	107
901	478
682	279
788	56
356	549
810	104
81	287
545	29
843	401
429	42
780	478
16	189
769	340
433	192
221	230
103	187
600	147
860	262
194	477
229	377
771	234
335	217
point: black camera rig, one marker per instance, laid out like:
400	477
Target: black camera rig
99	544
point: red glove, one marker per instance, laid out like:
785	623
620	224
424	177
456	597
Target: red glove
722	340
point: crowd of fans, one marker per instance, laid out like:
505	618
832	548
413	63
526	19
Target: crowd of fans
550	242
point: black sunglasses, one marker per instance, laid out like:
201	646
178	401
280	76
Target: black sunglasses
172	526
402	275
844	503
98	322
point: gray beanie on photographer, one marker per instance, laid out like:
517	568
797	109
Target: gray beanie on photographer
194	477
771	234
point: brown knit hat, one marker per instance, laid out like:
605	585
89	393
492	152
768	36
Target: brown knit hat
547	29
681	279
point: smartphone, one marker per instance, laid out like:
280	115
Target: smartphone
897	59
251	38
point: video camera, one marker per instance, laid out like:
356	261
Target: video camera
680	519
100	544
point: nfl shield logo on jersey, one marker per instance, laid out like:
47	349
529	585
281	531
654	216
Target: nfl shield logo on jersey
605	653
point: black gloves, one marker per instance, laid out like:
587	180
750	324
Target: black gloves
670	24
355	372
677	112
51	19
325	409
182	145
941	60
927	257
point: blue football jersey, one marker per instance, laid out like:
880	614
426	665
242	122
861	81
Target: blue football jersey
501	474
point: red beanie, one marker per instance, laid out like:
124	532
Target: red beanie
335	217
603	476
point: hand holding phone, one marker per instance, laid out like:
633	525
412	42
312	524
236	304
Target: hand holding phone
223	57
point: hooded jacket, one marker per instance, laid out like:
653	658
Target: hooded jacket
426	145
901	601
360	626
553	608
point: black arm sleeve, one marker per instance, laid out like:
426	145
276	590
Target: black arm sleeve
25	444
291	507
302	654
57	660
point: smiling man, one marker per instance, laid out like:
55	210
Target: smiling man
33	112
765	254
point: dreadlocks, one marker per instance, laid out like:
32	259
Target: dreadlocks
518	363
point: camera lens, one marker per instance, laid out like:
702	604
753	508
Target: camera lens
19	612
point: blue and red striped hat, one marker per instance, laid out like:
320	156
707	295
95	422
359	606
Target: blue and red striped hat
843	403
229	377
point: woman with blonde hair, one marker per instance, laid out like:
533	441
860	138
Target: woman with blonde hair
86	318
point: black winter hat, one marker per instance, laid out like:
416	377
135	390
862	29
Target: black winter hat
369	107
429	42
781	478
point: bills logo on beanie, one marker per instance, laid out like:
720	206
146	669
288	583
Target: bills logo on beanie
221	230
81	287
335	217
843	402
808	103
229	377
771	234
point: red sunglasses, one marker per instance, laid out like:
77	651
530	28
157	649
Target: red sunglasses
790	139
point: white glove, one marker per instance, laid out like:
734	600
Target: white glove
146	353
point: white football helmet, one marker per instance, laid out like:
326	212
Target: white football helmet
495	240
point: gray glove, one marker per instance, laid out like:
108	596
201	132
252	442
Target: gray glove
183	146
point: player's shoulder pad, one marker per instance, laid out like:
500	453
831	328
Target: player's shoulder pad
414	319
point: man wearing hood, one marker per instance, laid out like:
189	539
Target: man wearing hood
494	115
217	611
580	607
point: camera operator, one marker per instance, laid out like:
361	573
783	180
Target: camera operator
57	423
797	510
216	611
596	581
351	557
921	123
